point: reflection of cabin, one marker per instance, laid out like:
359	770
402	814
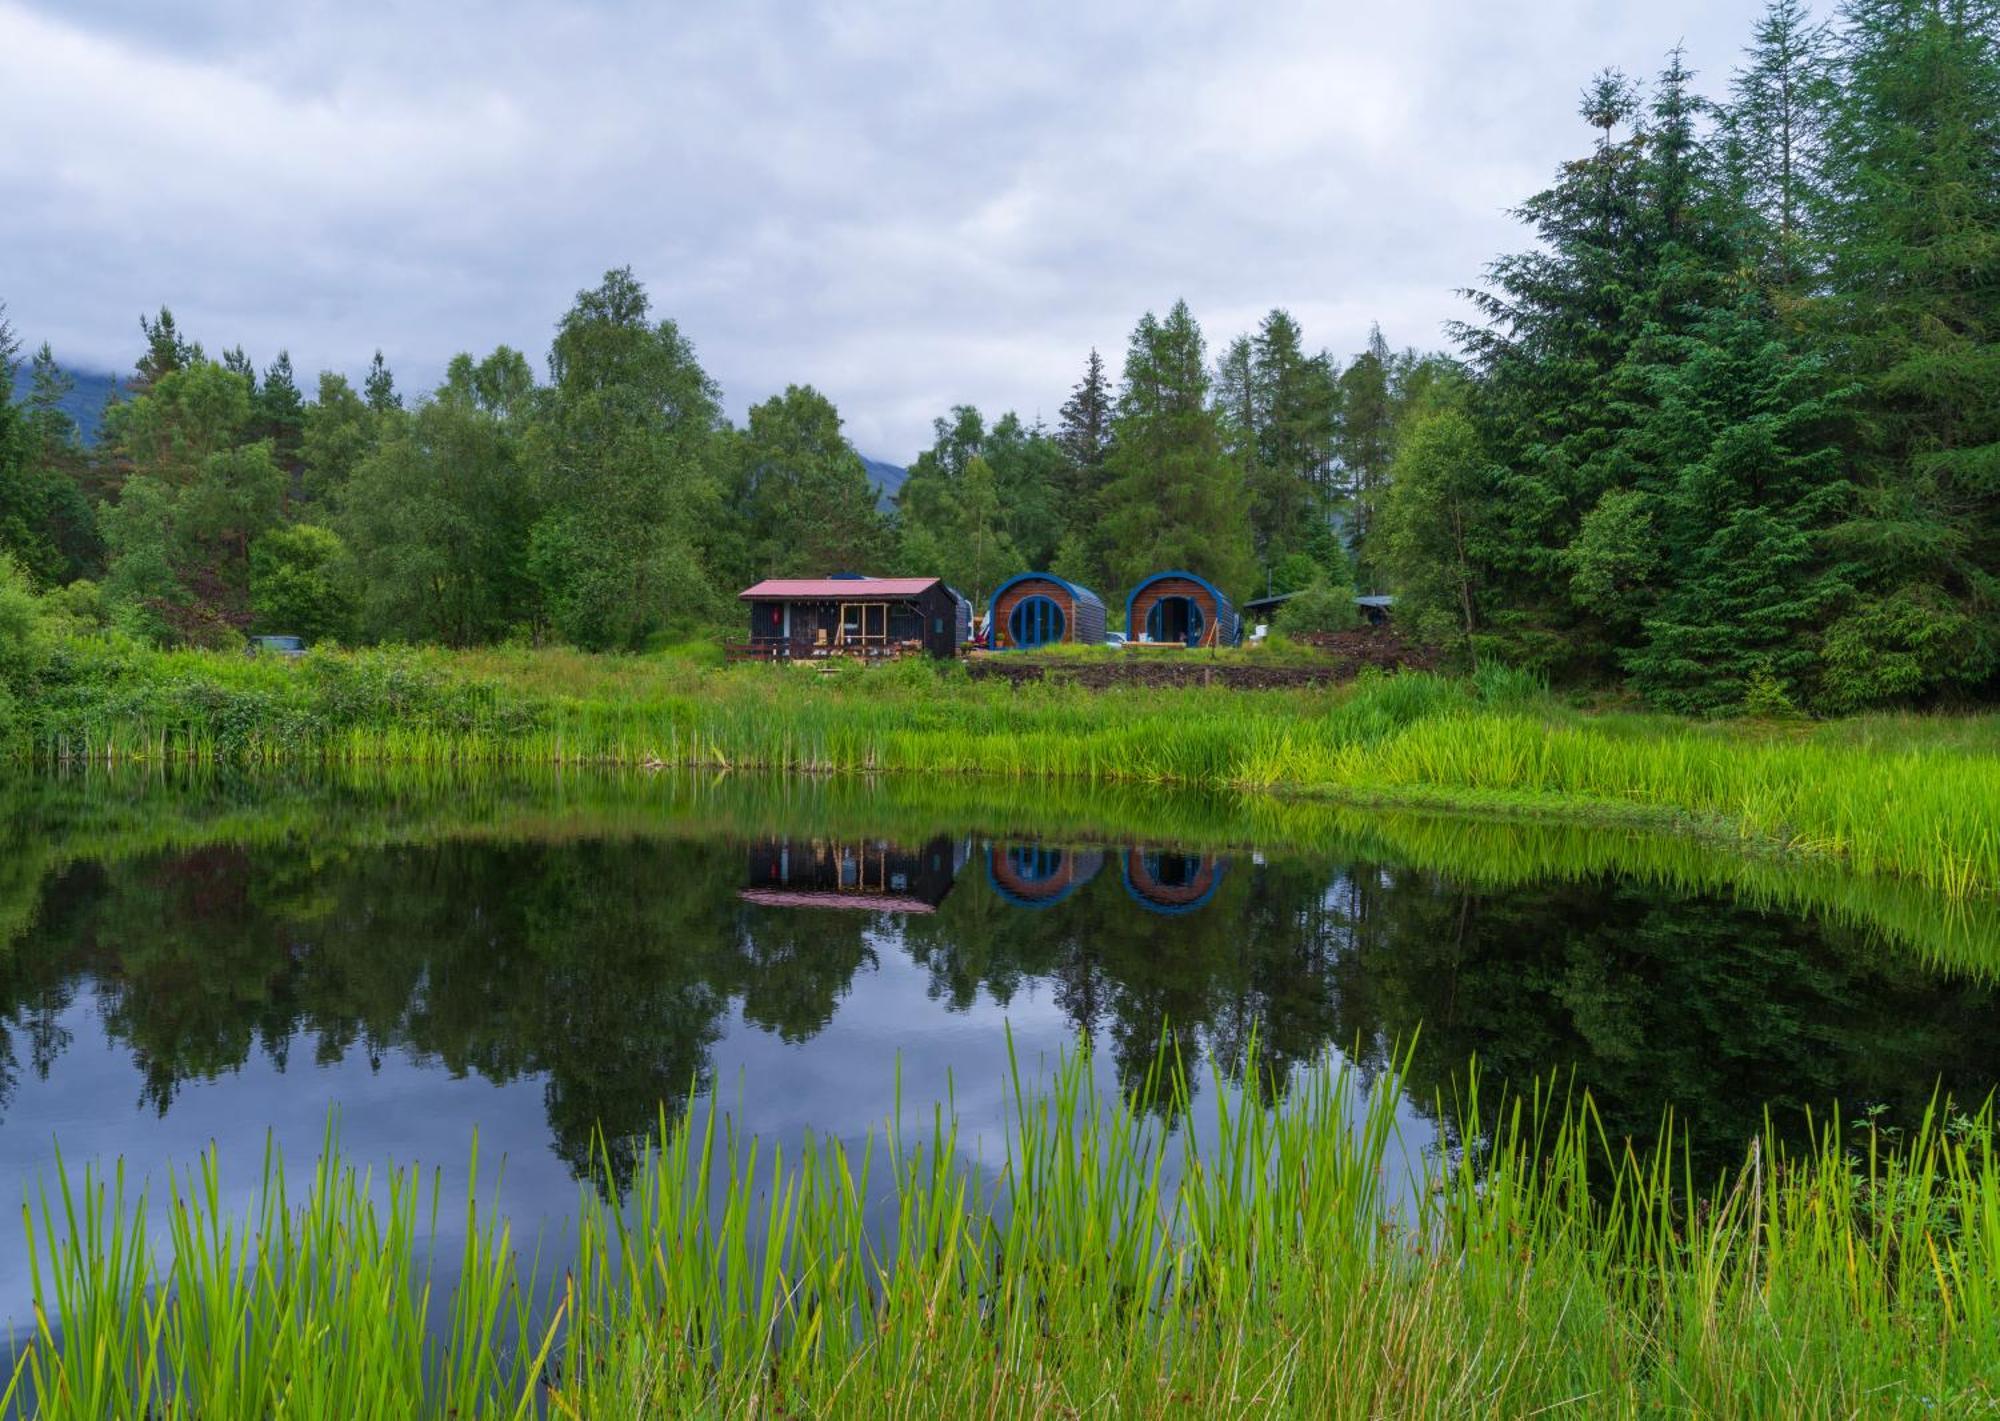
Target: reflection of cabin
1167	881
874	875
1039	608
1181	609
796	618
1038	875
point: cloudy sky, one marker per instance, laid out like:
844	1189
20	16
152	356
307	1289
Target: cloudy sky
907	206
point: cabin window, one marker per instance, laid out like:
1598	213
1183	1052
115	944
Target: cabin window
1035	621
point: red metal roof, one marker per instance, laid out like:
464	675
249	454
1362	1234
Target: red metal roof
782	589
868	903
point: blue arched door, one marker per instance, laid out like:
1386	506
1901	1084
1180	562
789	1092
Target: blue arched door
1175	619
1035	621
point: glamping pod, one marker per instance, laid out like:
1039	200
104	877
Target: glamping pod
1039	875
1166	881
849	615
1181	609
1039	608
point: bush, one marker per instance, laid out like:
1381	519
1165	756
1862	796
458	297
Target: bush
1321	607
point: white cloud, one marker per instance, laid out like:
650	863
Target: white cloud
907	205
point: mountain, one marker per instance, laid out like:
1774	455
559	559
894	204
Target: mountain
887	478
85	403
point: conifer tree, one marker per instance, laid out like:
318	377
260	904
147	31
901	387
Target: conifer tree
1175	499
281	411
1911	223
1779	100
380	387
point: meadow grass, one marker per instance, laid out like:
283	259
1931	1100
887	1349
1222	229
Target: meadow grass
1909	797
109	813
1294	1256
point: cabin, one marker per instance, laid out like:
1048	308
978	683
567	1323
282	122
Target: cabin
1039	609
1172	883
1180	609
1372	609
1039	875
847	614
872	875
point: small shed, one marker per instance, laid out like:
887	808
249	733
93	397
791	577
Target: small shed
850	615
1039	875
1181	609
965	616
1038	609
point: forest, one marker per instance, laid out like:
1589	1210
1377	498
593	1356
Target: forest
1724	432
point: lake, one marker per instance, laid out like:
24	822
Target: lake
554	960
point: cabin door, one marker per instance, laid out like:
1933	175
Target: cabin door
864	623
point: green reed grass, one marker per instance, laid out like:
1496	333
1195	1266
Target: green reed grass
1291	1256
1908	799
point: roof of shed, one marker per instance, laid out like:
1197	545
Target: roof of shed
786	589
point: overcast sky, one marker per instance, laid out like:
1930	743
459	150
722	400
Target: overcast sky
908	206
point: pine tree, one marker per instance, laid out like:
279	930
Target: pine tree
239	364
380	387
1911	222
1175	499
1084	432
166	351
1364	441
281	412
1777	118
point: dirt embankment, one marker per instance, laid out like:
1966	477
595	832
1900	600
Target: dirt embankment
1341	657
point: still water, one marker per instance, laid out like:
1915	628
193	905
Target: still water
235	960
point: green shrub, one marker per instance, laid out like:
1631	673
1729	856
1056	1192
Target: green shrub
1322	607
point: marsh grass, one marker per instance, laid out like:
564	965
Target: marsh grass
1907	798
1293	1256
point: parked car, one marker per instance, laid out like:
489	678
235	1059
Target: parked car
1114	638
285	646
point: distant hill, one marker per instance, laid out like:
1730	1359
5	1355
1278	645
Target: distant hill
887	478
85	403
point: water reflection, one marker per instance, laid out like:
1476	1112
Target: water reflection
874	875
605	971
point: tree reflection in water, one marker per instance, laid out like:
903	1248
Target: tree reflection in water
610	967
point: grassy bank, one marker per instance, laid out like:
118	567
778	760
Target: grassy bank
1291	1264
1907	797
113	813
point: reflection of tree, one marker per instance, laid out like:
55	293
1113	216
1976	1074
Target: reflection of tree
1701	1006
1151	983
606	966
609	966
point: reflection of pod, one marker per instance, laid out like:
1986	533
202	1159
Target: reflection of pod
1036	875
1164	881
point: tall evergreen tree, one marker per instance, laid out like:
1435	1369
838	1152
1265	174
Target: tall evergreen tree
1175	499
281	412
1084	430
380	387
1911	222
1779	101
166	351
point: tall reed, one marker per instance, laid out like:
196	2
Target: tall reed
1291	1256
1904	799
